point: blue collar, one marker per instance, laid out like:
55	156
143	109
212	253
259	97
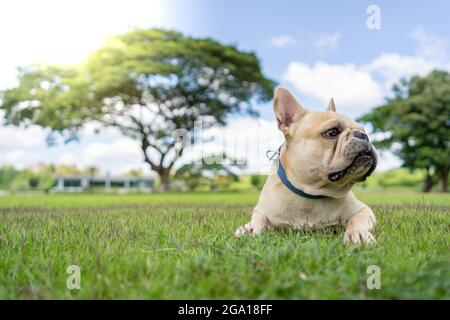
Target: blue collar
290	186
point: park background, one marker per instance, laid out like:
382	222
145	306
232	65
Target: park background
317	50
156	245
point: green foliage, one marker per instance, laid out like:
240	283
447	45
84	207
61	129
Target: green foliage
45	180
148	83
257	181
400	178
415	123
20	183
33	181
137	172
217	171
41	178
396	178
51	96
71	170
7	175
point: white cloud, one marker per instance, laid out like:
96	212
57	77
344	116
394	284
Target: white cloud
20	158
324	43
283	40
12	137
387	160
357	88
68	158
391	67
430	46
353	88
108	150
243	138
115	156
107	158
118	149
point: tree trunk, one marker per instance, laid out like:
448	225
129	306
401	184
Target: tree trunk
443	177
164	176
164	173
428	182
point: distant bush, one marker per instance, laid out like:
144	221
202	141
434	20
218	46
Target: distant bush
257	181
41	178
395	178
401	178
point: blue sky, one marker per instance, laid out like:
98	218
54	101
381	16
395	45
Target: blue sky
318	49
251	24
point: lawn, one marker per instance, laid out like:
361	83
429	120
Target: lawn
181	246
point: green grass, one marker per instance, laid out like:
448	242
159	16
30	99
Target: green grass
181	246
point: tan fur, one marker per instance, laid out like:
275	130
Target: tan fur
308	159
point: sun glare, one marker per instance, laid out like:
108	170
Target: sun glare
66	31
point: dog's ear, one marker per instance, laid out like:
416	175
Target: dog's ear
287	109
331	106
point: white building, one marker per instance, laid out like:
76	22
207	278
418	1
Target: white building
79	183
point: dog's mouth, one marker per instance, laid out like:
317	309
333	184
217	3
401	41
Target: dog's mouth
363	160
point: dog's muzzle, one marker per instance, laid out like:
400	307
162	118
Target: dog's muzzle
365	158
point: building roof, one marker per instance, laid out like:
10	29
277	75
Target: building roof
102	178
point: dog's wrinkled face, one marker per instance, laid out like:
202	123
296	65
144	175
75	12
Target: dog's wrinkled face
324	149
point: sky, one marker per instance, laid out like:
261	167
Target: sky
317	49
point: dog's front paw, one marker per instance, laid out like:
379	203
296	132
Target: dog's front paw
243	230
257	225
240	231
249	229
356	237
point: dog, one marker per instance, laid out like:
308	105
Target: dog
324	154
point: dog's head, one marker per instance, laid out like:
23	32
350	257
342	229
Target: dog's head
326	152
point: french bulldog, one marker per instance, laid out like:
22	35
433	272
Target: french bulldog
324	154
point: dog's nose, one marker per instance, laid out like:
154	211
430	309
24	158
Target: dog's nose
360	135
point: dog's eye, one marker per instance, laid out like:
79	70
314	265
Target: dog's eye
334	132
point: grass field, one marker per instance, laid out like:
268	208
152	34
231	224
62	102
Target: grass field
181	246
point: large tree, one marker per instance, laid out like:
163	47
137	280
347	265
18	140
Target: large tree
415	124
148	83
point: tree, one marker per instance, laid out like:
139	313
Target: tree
257	181
33	180
148	84
7	175
135	172
191	176
218	170
92	171
40	177
415	125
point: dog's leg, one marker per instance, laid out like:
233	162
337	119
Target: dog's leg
258	224
358	227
